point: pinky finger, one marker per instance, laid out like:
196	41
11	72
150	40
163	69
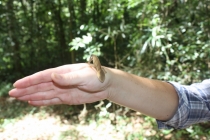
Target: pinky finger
54	101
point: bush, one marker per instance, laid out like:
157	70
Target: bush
4	89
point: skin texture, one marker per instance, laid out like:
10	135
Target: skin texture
78	84
100	72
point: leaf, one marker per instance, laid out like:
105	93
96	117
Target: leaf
123	35
106	37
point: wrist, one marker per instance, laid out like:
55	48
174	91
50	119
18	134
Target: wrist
117	83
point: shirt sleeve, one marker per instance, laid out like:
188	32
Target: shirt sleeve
194	106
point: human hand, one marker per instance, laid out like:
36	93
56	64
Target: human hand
69	84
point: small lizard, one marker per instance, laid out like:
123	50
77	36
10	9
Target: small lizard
100	71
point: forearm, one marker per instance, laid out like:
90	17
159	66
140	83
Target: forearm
151	97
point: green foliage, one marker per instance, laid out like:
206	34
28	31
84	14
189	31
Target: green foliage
168	38
4	88
85	43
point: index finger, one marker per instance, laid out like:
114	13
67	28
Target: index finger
39	77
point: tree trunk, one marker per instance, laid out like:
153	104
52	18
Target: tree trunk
72	25
13	34
63	50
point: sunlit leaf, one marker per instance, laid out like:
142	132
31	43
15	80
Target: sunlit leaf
106	37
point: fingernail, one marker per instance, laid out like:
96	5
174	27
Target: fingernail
14	84
11	92
57	76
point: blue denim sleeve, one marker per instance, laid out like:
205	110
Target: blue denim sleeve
194	106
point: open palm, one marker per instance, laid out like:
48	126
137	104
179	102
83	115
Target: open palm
68	84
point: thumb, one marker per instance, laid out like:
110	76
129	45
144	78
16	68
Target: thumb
68	79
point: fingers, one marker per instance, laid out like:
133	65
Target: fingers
40	77
45	76
71	98
51	97
30	90
54	101
46	95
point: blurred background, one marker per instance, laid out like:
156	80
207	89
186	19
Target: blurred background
159	39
